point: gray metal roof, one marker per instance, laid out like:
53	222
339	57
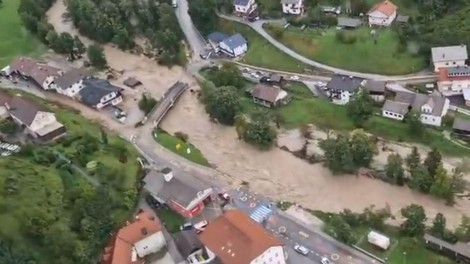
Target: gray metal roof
395	107
459	247
402	18
375	86
234	41
458	71
216	37
449	53
416	101
461	124
344	83
70	77
94	89
240	2
349	22
177	189
187	242
289	2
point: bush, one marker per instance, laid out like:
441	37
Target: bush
345	38
180	135
146	104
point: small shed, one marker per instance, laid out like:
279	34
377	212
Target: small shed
132	82
349	23
461	127
402	19
378	240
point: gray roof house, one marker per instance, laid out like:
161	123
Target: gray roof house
179	190
450	56
98	93
341	87
66	80
216	37
431	108
234	45
373	86
349	23
241	2
461	127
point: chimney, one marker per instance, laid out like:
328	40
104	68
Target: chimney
167	174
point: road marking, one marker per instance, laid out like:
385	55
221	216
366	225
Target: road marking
243	198
334	256
304	234
252	205
282	229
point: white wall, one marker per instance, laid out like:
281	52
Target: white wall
273	255
149	245
3	112
377	18
294	9
392	115
245	9
344	98
377	98
201	196
447	64
72	90
46	85
236	52
193	258
42	119
431	120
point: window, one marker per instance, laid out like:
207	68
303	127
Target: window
447	64
454	62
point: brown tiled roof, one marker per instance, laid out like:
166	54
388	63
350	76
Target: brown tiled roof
144	225
236	239
4	98
24	109
40	72
265	92
385	7
23	64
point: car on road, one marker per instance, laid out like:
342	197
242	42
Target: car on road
254	75
325	261
224	196
294	77
301	249
200	226
186	226
152	202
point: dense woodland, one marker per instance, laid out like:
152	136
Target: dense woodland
115	21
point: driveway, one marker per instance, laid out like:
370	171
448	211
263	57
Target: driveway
196	41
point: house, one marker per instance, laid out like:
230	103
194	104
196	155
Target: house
44	75
38	122
430	108
5	98
98	93
341	87
453	80
331	10
132	82
382	14
450	56
234	45
273	79
269	96
185	197
215	38
466	96
22	66
191	248
402	19
292	7
71	82
135	241
348	23
375	89
244	7
461	127
235	239
458	251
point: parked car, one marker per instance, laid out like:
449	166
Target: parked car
186	226
302	250
152	202
200	226
325	261
294	77
224	196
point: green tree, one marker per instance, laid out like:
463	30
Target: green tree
104	137
432	161
442	185
463	230
65	44
362	148
228	75
8	126
420	179
415	219
123	39
360	108
415	127
240	125
224	105
340	229
413	159
394	169
79	46
338	154
146	104
438	226
96	56
261	134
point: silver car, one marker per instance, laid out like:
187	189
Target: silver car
301	249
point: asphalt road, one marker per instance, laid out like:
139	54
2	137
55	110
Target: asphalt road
196	41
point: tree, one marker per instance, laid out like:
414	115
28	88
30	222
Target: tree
240	125
415	219
438	226
413	159
362	148
360	108
78	44
261	134
340	229
104	137
228	75
224	104
146	104
442	185
338	154
8	126
394	169
420	179
96	56
432	161
66	44
415	127
463	230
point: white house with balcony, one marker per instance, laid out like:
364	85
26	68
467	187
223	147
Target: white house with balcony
292	7
244	7
71	82
449	56
382	14
453	80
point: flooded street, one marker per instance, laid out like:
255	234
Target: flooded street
275	173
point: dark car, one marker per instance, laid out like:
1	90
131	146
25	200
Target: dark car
152	202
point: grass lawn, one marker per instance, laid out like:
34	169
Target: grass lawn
260	52
179	147
14	39
171	220
361	56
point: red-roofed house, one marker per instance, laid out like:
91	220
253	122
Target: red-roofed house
453	80
382	14
234	238
135	241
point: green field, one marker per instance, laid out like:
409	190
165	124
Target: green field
180	147
364	55
14	39
171	220
260	52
